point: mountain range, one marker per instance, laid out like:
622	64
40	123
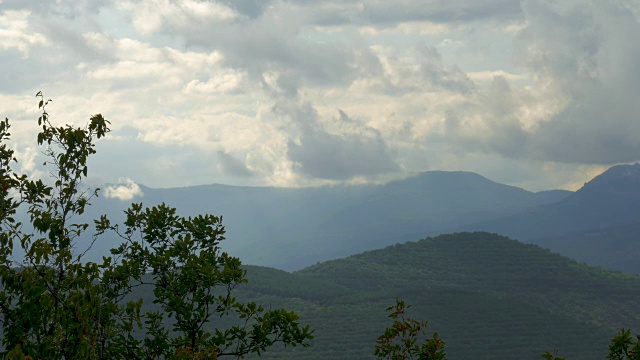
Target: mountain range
598	224
292	228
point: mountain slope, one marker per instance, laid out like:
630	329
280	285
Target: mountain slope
431	202
486	295
614	247
597	223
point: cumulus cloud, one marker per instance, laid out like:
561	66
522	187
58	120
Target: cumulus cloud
249	8
151	15
16	32
587	53
317	153
229	165
442	11
126	190
306	92
579	107
421	69
220	83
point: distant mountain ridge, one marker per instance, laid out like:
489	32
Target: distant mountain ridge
291	228
598	223
430	203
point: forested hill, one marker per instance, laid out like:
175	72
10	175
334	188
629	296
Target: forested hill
487	296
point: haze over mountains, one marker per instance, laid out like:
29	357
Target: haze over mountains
291	228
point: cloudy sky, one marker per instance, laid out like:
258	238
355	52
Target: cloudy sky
539	94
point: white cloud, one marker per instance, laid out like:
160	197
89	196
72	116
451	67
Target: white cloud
221	83
468	84
335	149
229	165
126	190
490	75
408	28
451	43
149	16
421	69
15	32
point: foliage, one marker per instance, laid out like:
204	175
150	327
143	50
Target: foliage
400	341
56	305
624	347
552	355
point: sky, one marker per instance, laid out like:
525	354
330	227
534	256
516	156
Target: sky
540	94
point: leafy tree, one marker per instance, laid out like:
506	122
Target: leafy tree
624	347
56	305
400	341
552	355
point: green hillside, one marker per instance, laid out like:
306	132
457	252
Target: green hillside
487	296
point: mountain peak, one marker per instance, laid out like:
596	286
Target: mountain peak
624	170
617	179
445	179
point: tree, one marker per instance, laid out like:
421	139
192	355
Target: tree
552	355
56	305
400	341
621	347
624	347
